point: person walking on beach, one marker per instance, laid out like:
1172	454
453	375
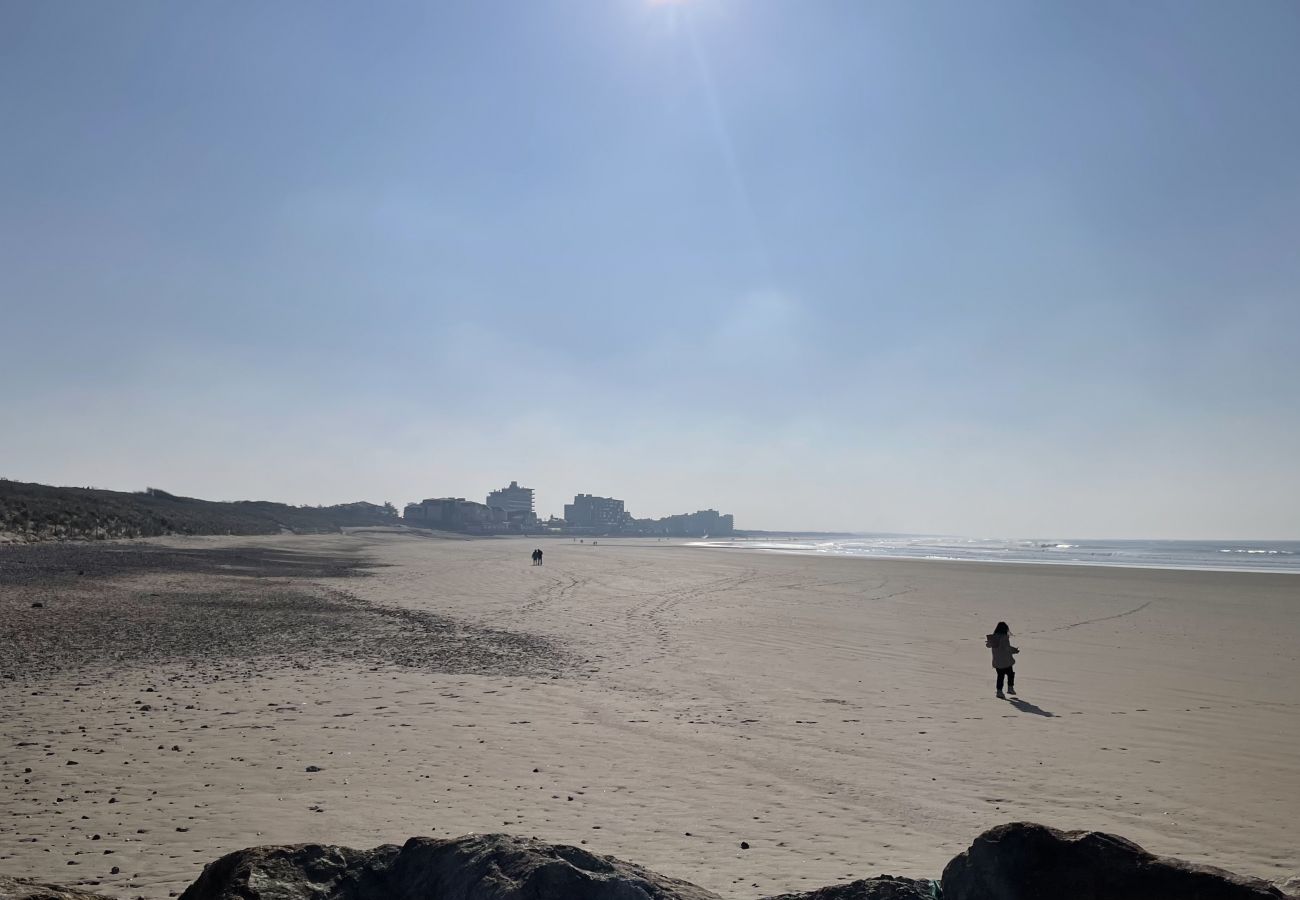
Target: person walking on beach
539	556
1004	658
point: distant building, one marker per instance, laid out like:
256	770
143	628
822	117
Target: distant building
513	499
387	511
599	514
449	514
697	524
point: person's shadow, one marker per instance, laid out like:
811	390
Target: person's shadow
1025	706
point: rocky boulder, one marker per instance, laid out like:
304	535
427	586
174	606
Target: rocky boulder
474	867
882	887
23	889
295	872
1020	861
1024	861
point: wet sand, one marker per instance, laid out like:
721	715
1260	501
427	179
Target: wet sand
184	698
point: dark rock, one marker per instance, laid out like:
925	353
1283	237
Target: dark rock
1024	861
25	889
313	769
502	867
475	867
882	887
38	606
1019	861
301	871
744	845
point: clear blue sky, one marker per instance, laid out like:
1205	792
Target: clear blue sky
1003	269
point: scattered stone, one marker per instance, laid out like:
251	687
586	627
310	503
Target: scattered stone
313	769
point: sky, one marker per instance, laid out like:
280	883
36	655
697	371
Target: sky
1007	269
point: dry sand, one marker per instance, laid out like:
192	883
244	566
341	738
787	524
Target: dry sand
656	702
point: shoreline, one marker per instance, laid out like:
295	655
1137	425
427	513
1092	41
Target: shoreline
1008	562
888	557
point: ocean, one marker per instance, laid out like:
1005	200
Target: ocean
1234	556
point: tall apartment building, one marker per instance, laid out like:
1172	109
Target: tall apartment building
513	499
598	513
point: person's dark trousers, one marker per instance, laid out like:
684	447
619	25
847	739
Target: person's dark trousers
1010	675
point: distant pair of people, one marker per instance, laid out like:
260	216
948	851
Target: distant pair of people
537	556
1004	657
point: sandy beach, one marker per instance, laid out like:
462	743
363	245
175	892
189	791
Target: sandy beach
170	701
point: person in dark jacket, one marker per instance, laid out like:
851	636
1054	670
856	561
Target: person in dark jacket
1003	656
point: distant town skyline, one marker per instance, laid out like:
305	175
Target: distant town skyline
511	510
998	269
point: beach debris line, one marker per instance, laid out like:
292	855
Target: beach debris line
239	610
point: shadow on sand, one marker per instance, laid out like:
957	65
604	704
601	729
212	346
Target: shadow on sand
1025	706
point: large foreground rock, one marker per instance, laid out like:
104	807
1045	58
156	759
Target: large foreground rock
1020	861
882	887
475	867
23	889
1023	861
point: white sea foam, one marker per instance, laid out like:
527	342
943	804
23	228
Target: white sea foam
1254	556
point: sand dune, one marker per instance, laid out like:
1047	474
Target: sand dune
656	702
